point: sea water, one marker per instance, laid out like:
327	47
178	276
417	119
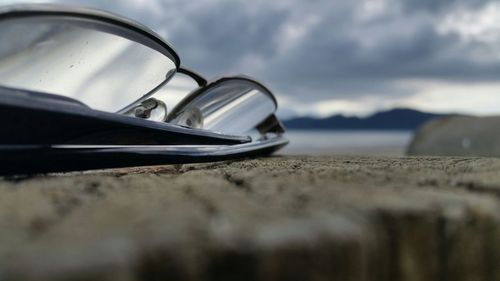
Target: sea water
369	143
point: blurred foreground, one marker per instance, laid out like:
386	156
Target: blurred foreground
282	218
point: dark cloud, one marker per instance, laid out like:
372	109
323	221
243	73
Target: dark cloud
367	57
215	38
440	6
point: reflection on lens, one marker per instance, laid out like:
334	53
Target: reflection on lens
78	60
233	106
192	118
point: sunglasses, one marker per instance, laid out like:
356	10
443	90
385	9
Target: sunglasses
78	92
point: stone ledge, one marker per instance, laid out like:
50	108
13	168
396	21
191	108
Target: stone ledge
282	218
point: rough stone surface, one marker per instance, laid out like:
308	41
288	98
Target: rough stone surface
458	136
282	218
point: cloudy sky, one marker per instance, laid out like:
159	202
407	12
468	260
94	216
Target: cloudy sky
322	57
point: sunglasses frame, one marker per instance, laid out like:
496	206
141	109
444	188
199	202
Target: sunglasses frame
202	145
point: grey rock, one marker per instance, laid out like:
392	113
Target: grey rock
458	136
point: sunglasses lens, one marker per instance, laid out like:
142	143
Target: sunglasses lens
231	106
103	65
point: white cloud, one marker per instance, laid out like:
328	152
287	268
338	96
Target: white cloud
482	25
457	97
428	95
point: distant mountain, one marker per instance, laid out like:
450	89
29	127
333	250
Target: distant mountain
395	119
